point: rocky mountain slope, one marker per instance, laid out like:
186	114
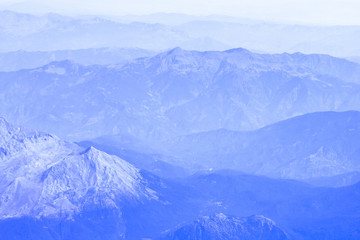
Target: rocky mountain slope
221	226
43	176
53	189
176	93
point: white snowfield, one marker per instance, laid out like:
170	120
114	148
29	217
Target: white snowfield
41	175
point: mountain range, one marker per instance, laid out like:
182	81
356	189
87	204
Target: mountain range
158	32
146	127
53	32
53	189
321	144
14	61
176	93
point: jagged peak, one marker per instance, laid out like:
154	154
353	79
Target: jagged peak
172	53
89	150
21	131
176	51
93	153
221	226
62	176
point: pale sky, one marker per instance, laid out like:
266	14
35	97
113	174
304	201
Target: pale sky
330	12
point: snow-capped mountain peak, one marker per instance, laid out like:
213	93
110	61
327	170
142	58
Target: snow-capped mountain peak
42	175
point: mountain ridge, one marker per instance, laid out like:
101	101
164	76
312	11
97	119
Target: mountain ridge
44	176
220	226
321	144
180	92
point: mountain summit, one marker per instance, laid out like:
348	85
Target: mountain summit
44	176
222	227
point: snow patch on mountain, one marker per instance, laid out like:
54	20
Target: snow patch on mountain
41	175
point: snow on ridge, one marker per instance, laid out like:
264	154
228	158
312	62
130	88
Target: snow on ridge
41	175
263	221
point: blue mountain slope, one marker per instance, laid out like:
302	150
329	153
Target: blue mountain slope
143	158
177	92
220	226
53	189
319	144
303	212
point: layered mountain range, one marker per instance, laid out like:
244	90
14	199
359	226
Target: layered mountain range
47	183
53	189
52	32
17	60
321	148
155	143
191	109
49	32
321	144
177	93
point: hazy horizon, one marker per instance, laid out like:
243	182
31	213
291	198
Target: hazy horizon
333	12
165	120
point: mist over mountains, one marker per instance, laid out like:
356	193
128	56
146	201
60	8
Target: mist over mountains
314	145
171	126
164	105
14	61
159	32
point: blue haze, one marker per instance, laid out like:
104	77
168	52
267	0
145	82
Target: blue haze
161	127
